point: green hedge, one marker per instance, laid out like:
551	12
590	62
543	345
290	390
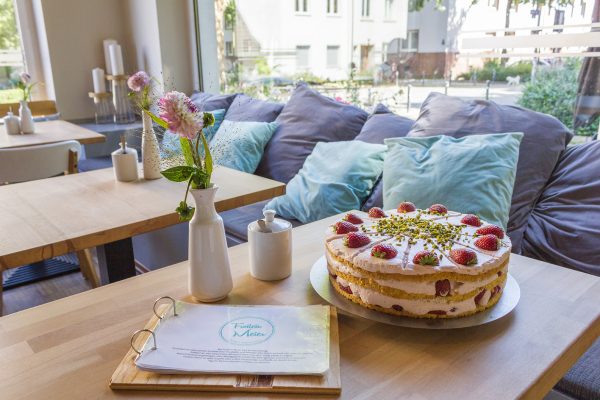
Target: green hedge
554	92
521	68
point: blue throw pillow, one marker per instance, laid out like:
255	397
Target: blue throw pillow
307	118
240	145
329	184
170	141
209	101
473	174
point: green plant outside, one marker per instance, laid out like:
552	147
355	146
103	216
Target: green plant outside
10	95
554	92
521	68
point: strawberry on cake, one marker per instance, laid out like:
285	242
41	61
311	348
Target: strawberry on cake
432	263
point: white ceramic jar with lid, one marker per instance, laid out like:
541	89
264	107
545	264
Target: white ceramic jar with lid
12	124
270	241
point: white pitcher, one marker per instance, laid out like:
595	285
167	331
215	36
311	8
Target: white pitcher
150	150
209	270
27	125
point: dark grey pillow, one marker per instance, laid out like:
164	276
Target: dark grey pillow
245	108
210	102
564	227
307	118
380	125
544	139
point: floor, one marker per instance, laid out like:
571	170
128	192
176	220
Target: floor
34	294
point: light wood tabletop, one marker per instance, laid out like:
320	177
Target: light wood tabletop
50	132
50	217
70	348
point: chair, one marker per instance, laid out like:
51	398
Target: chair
30	163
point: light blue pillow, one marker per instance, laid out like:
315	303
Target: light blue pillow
170	143
240	145
336	177
473	174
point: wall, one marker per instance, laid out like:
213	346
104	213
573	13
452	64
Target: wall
74	30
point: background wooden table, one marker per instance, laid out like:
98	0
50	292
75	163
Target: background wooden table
51	217
69	348
50	132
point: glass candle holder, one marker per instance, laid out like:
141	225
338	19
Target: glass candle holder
103	110
123	110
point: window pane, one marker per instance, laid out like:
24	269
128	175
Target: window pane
302	56
11	56
333	53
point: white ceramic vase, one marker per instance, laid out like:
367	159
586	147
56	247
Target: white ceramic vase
27	125
209	270
150	150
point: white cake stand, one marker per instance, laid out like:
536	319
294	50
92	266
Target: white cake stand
319	278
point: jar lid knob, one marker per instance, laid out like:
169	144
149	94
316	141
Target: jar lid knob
269	215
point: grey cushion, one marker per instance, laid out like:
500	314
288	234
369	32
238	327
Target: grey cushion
383	124
380	125
307	118
236	221
210	102
564	227
245	108
545	138
583	380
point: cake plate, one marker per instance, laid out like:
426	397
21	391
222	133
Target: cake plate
319	278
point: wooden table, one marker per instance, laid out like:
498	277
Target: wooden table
47	218
69	348
50	132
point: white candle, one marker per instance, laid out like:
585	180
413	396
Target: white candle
116	59
98	77
107	43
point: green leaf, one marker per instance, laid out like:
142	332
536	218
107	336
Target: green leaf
158	120
208	163
185	212
178	174
187	150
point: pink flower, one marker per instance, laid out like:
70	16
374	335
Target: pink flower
182	116
138	81
25	77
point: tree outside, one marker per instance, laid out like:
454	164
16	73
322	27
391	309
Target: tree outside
11	61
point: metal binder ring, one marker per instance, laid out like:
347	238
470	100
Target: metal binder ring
135	335
158	300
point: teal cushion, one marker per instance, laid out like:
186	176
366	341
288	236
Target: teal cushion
473	174
170	143
335	178
240	145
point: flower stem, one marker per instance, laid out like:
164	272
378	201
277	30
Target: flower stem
187	190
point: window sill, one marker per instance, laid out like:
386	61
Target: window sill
302	14
366	19
338	15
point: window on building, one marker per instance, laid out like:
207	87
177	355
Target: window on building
411	43
229	49
366	9
302	57
412	5
332	7
388	11
333	56
301	6
11	56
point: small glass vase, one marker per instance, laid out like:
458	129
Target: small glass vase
209	269
123	110
150	149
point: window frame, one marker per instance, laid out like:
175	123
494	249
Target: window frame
365	10
301	7
332	8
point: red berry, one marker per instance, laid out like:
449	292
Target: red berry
491	229
426	258
356	239
464	256
442	288
346	289
376	212
397	307
437	312
488	242
406	207
385	251
353	219
438	209
470	219
344	227
479	297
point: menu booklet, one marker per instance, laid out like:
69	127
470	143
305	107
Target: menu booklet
258	340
